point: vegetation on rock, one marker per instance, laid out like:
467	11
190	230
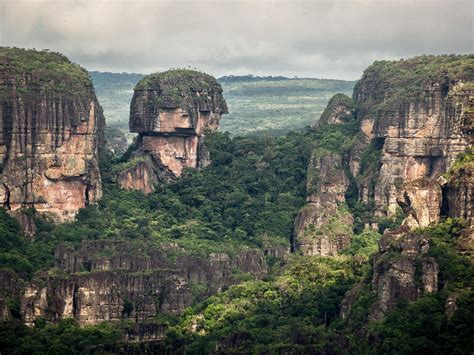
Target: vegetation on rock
45	70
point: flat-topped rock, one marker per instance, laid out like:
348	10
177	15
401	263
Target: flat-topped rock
51	126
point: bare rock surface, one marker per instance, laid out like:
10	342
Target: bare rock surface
113	280
51	126
172	111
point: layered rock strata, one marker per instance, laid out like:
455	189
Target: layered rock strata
424	121
112	280
324	226
402	270
420	200
51	126
171	112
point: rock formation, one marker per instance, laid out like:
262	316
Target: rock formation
422	135
324	226
51	127
421	119
420	200
402	270
171	112
459	193
113	280
340	109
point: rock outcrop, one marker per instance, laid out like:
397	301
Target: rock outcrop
51	126
459	193
402	270
113	280
420	200
421	110
340	109
138	175
171	112
324	226
9	291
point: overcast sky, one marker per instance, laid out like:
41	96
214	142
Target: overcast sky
328	39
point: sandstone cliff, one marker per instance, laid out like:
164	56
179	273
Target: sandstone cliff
340	109
402	270
416	115
114	280
171	112
51	126
421	111
324	226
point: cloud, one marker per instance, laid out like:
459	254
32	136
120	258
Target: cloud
306	38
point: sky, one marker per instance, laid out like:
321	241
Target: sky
320	39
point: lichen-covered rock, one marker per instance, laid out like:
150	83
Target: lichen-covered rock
138	176
51	126
112	280
324	226
422	109
340	109
9	290
171	112
402	271
420	200
459	193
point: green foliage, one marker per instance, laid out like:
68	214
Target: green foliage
339	100
463	159
117	168
49	71
423	326
61	338
285	313
251	193
395	83
364	244
176	84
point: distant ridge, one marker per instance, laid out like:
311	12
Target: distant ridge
250	77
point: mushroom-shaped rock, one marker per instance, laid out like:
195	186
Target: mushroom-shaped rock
171	111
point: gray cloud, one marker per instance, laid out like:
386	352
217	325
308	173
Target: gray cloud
336	39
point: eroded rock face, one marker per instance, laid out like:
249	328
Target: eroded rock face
402	270
459	194
340	109
324	226
137	177
134	283
422	134
418	136
171	111
421	202
51	126
9	290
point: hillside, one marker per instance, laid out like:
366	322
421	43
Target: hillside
352	236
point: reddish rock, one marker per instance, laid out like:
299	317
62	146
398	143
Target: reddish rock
171	112
51	126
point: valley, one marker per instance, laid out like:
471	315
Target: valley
250	215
